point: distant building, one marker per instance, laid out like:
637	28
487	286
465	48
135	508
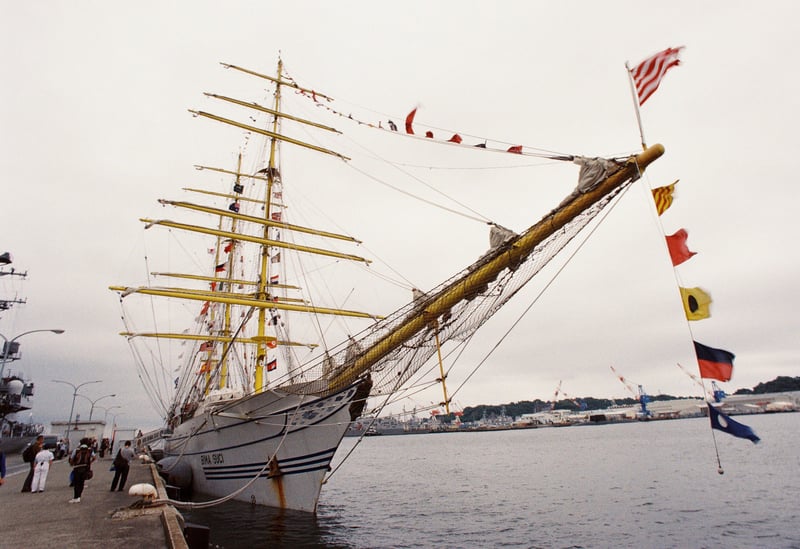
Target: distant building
788	401
76	430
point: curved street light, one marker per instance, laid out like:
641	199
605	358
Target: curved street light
91	410
74	394
7	343
106	410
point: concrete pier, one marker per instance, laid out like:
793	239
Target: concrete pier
101	519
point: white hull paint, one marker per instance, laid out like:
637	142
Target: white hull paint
228	447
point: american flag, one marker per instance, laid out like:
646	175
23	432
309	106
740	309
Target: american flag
647	75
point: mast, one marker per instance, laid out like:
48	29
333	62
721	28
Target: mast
226	330
261	293
507	256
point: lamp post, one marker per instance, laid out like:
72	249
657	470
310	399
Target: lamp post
74	394
105	417
8	342
91	410
106	410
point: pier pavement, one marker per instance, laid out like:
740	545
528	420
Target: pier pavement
101	519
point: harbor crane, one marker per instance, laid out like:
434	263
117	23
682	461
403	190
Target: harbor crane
638	393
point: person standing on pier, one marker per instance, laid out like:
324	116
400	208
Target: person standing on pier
122	466
29	456
41	463
81	462
2	467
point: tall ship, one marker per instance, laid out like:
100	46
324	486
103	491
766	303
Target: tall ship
263	345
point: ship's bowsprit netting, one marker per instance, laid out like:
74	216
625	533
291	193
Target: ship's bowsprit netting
399	364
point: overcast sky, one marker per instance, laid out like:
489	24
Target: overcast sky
95	128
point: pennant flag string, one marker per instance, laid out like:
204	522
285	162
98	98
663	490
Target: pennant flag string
713	363
455	138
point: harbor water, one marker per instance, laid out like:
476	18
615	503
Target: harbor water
640	484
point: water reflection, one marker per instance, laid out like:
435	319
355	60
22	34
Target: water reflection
236	524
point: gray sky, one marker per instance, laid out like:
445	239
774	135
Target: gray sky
95	129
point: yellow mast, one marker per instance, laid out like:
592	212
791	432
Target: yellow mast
253	219
476	280
240	299
261	350
226	327
239	236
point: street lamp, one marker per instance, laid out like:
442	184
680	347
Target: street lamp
74	394
8	342
106	410
91	410
105	416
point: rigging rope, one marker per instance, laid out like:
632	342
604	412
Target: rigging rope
536	298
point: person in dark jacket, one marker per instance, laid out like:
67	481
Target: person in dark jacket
122	466
81	462
32	449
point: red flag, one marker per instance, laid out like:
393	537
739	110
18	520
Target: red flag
206	345
516	149
219	268
228	247
678	250
455	139
647	75
272	364
714	363
276	216
204	310
272	344
273	279
410	121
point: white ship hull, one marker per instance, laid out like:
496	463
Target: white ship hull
227	448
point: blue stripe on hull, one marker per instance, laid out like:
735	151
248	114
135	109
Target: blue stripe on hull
288	466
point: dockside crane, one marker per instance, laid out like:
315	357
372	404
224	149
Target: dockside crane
639	393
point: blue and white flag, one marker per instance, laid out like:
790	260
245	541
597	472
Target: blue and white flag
723	423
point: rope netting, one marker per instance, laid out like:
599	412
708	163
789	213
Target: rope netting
345	363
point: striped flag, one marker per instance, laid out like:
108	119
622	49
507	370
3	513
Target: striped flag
663	197
647	75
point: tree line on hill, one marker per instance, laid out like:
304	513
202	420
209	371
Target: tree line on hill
516	409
